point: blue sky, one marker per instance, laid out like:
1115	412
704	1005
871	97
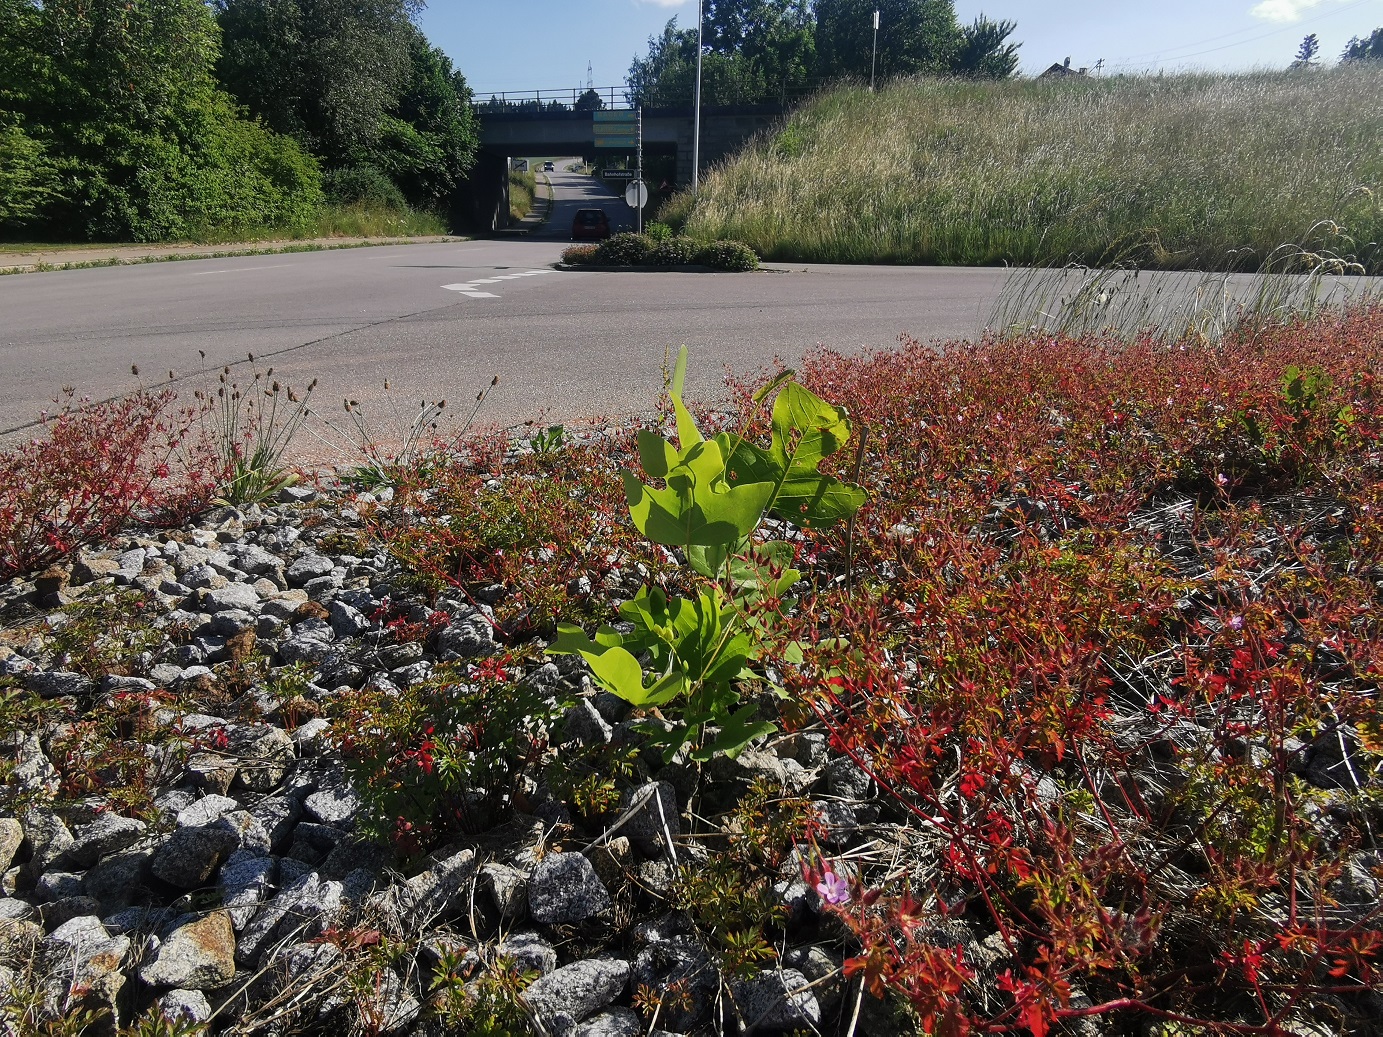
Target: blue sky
547	43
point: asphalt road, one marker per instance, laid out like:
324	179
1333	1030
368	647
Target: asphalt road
565	346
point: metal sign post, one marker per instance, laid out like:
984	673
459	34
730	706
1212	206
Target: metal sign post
639	177
874	57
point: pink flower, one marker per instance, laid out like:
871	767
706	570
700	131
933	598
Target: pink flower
833	889
1236	622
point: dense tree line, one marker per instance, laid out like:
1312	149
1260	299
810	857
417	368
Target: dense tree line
768	50
1365	48
156	119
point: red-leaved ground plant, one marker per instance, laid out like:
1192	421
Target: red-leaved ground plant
1112	656
96	466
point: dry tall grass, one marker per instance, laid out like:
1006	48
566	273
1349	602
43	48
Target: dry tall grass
1180	172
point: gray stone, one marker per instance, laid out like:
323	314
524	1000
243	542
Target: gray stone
336	805
202	577
308	567
190	856
232	597
118	879
311	737
508	888
52	684
278	815
47	836
211	771
55	885
776	1000
1334	760
304	910
206	810
846	780
584	724
12	910
347	621
565	888
11	835
248	832
84	959
683	961
255	560
230	622
264	751
185	1006
529	951
311	651
197	956
297	495
821	968
649	817
114	683
246	880
109	833
468	635
615	1022
442	890
165	674
33	771
563	998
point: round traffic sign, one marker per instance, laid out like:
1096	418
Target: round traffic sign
636	195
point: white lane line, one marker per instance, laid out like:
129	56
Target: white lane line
471	289
238	270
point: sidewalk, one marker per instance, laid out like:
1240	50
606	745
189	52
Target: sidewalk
542	209
16	259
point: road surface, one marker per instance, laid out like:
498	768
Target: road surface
441	320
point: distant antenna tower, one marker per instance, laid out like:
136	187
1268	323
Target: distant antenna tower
590	77
1099	65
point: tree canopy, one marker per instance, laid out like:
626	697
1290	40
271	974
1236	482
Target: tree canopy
118	129
1365	48
157	119
768	50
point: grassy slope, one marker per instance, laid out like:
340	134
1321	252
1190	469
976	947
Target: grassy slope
1173	171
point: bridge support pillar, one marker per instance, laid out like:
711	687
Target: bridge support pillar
482	203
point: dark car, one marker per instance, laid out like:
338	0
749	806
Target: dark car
590	225
547	167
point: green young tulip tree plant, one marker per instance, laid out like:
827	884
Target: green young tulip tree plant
715	495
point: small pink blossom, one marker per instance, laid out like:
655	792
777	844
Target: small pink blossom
833	889
1236	622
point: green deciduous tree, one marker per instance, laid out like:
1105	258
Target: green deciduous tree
325	71
28	178
120	96
666	76
358	84
916	37
428	137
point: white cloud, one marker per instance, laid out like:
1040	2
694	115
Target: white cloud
1284	10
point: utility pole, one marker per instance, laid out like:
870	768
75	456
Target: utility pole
874	58
638	176
696	118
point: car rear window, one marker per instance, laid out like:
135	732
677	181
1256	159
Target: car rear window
590	216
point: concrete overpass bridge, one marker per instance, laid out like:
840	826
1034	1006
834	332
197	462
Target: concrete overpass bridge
551	123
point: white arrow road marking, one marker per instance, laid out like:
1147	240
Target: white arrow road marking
471	288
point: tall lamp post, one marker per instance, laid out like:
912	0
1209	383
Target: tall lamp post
874	57
696	118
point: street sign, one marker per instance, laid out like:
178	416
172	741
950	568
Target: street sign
618	174
617	130
636	195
